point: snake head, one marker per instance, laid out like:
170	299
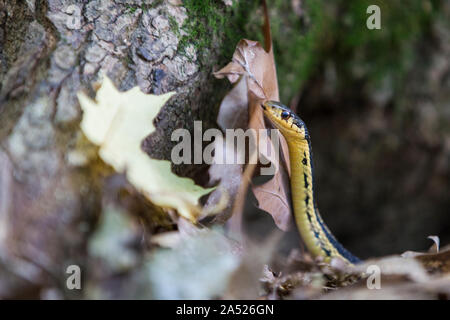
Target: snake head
290	125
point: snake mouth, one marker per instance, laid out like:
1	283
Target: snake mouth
271	108
274	106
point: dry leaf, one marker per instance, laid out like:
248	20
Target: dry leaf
198	267
257	67
118	122
396	266
401	278
233	111
435	247
244	282
434	289
232	115
438	262
111	240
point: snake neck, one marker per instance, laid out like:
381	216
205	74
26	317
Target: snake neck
315	234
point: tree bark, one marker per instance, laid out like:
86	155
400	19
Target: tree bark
50	50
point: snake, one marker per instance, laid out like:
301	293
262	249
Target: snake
317	237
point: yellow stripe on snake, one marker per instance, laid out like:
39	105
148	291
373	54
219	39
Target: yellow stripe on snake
315	234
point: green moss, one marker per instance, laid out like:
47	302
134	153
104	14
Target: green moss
324	31
213	26
130	9
144	7
336	31
174	25
381	53
296	40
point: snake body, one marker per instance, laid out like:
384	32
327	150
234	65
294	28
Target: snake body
317	237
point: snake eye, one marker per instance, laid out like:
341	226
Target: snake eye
285	115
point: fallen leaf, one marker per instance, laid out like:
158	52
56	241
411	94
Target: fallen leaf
398	290
252	61
111	242
438	262
233	110
168	239
435	247
232	115
118	122
245	281
257	66
199	267
396	266
400	278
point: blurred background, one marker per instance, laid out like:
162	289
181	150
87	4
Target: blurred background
377	105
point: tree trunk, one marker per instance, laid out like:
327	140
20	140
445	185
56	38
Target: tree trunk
50	50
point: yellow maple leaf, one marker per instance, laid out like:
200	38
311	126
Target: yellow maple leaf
118	122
